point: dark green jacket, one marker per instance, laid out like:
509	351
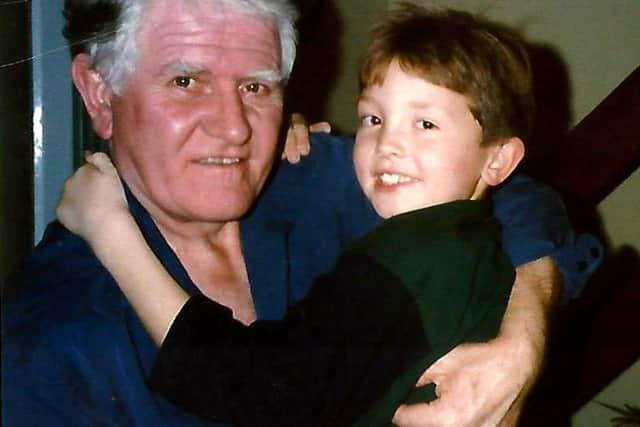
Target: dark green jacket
351	351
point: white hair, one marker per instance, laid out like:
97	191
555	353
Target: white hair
283	14
115	55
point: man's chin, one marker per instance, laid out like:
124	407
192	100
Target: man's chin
219	213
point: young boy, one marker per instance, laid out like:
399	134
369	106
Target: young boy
445	101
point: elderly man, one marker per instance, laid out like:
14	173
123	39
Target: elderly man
189	95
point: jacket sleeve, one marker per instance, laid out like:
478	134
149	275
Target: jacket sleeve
535	224
312	368
62	374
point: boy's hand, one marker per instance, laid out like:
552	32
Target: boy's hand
92	197
297	142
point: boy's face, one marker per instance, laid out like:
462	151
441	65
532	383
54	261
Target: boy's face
418	145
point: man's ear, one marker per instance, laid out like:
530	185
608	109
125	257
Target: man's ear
503	159
95	92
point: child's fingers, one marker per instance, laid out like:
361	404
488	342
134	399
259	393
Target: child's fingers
297	119
301	138
102	162
291	147
324	127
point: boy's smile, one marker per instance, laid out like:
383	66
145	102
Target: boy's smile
418	145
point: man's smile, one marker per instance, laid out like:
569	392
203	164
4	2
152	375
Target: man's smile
219	160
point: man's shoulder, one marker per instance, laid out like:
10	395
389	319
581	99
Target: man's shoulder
57	247
60	283
321	180
329	153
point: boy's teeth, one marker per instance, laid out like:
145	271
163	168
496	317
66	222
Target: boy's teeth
219	160
392	178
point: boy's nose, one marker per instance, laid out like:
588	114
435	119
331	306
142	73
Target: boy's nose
390	143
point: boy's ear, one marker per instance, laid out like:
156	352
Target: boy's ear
95	92
503	159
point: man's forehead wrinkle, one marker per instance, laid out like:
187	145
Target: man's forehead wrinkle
201	34
219	17
218	33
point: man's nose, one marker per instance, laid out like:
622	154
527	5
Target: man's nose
226	118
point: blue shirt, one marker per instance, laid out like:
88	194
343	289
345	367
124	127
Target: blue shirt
75	354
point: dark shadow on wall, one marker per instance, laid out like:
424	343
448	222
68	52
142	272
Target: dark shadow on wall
318	60
595	337
595	340
16	136
552	115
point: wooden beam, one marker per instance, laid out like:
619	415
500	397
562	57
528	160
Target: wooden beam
602	150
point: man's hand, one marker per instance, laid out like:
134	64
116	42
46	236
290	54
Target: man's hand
485	385
92	197
297	142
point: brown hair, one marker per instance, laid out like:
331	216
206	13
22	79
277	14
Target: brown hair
484	61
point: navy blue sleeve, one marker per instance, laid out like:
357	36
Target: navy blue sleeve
55	363
535	224
73	351
306	214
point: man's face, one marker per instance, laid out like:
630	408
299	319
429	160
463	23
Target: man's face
418	145
195	129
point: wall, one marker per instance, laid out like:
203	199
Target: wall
35	123
355	36
52	130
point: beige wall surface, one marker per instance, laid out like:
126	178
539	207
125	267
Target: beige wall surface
358	16
599	43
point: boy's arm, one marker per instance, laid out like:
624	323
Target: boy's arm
154	295
93	206
313	367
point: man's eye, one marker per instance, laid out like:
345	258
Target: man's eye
426	124
256	88
184	82
370	120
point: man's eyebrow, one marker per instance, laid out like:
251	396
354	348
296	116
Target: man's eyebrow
266	75
184	67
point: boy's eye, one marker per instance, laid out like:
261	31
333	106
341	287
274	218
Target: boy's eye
370	120
184	82
426	124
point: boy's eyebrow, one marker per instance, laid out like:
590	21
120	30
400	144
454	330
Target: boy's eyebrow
417	104
366	98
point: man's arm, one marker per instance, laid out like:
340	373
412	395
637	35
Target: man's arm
68	356
486	384
67	377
